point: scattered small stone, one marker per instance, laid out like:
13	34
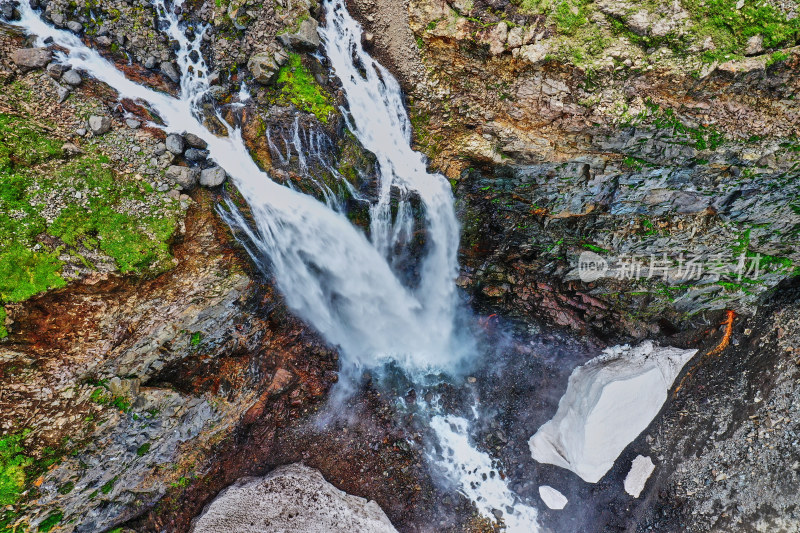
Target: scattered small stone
175	143
132	124
150	62
80	132
71	149
213	177
99	124
72	77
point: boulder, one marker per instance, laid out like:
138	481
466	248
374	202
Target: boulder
305	38
194	141
99	124
74	26
175	143
170	71
194	155
291	498
213	177
72	77
132	123
263	67
31	58
184	176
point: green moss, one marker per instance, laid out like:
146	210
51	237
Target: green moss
301	89
569	16
3	330
13	462
101	396
23	144
109	485
197	338
138	241
50	522
730	28
143	449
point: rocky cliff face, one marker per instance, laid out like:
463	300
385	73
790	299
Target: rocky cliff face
654	134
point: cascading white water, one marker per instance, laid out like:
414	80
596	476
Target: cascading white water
380	123
329	272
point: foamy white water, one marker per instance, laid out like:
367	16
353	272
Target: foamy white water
477	476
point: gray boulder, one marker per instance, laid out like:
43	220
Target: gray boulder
72	77
74	26
31	58
291	498
170	71
99	124
263	67
213	177
194	141
184	176
195	155
175	143
305	38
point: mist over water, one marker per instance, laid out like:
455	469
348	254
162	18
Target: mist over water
342	282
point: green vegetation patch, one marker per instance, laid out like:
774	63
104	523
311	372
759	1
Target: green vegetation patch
731	28
138	243
50	522
299	87
13	462
112	214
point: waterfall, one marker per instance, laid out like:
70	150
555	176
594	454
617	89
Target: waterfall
332	275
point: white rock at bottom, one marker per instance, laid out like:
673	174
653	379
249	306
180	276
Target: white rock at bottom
291	498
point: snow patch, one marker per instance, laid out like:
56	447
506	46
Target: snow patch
552	498
609	401
641	469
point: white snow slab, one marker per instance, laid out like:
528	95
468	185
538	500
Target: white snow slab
609	401
641	470
552	498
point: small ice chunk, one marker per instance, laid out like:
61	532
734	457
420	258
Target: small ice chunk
641	469
552	498
609	401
